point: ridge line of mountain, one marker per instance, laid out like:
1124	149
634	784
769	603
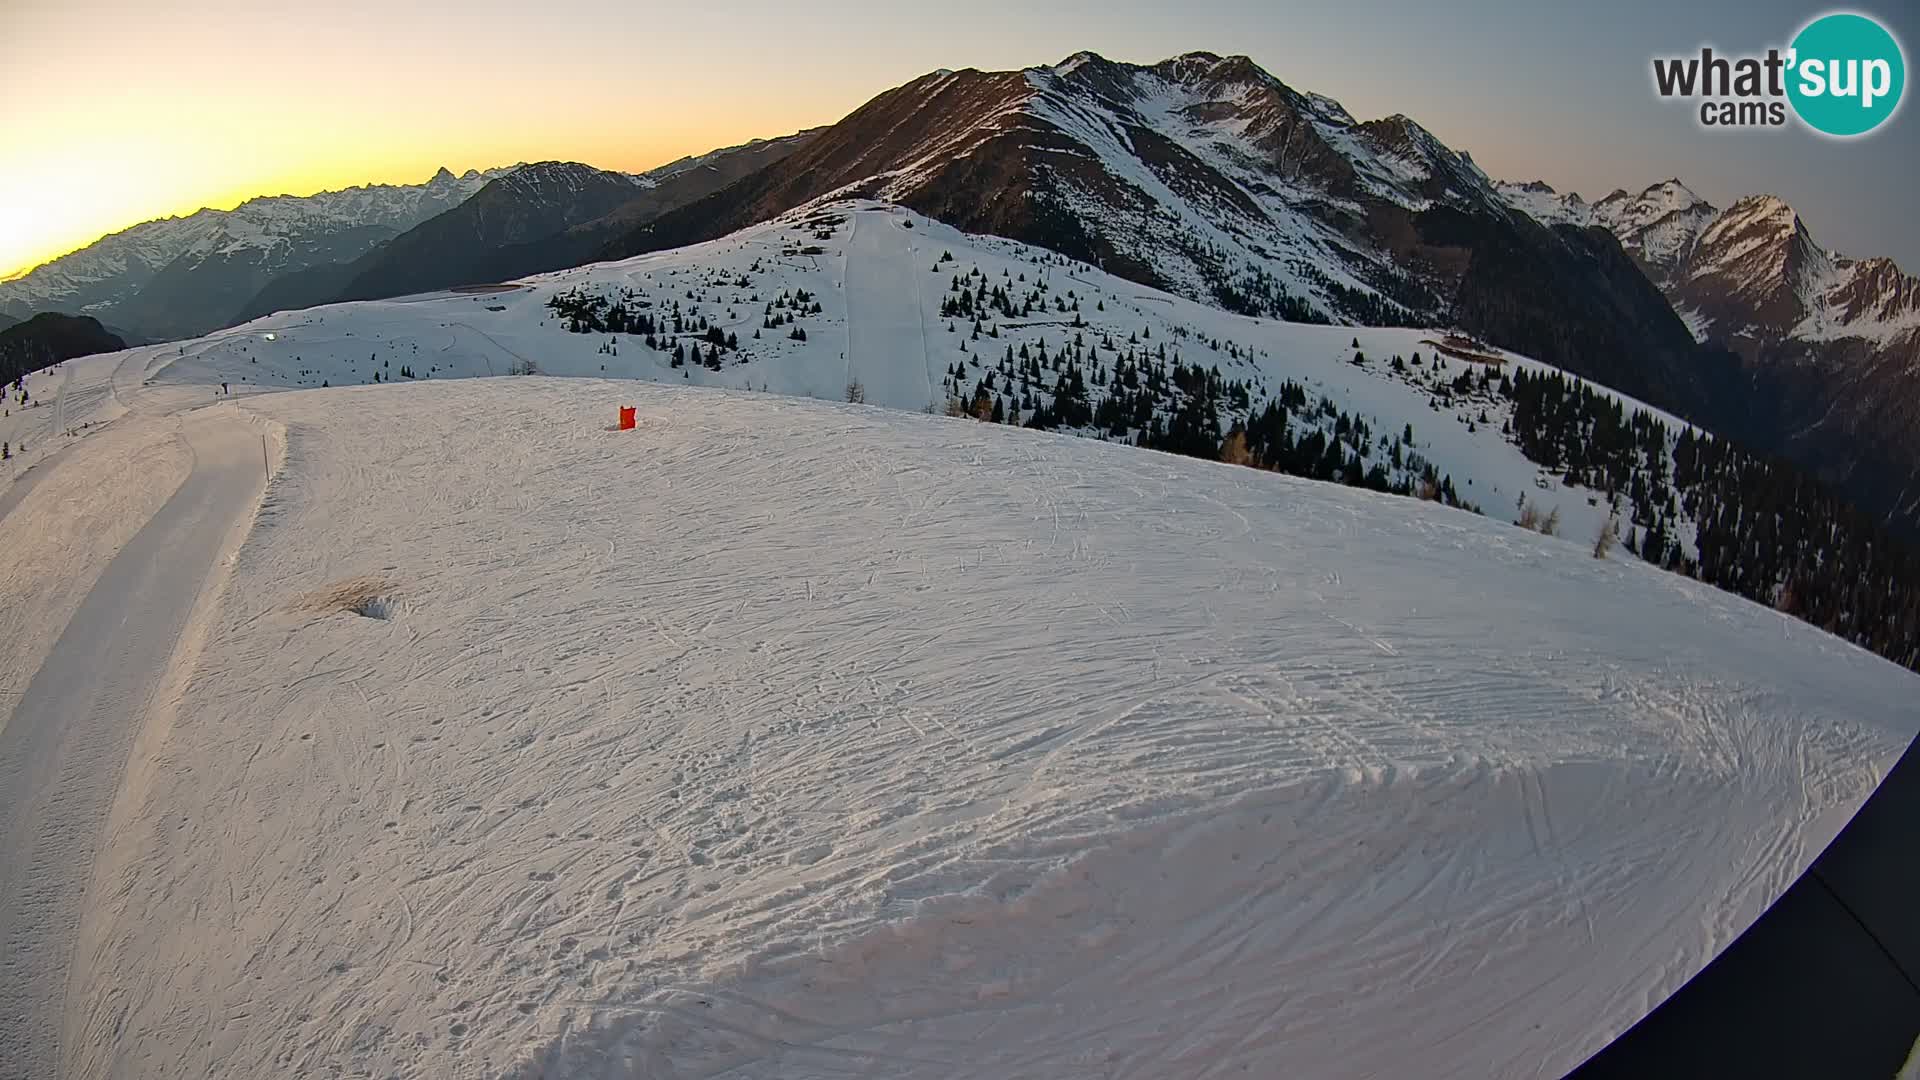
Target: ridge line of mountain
1209	177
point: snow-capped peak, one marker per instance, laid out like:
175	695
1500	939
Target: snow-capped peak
1667	195
1068	66
1660	225
1539	200
1650	206
1750	271
273	234
1753	210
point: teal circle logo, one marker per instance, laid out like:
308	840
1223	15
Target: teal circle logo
1847	74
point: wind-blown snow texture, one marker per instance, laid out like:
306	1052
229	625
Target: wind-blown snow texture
788	739
782	738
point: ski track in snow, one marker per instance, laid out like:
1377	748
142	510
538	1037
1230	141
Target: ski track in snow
790	739
66	741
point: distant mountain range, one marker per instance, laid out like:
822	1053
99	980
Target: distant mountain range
534	218
180	277
472	242
1202	175
1829	345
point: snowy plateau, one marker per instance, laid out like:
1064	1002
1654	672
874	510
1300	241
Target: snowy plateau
441	729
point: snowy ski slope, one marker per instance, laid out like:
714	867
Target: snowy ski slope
790	738
793	739
883	267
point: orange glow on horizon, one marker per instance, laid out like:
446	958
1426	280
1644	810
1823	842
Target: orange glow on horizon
119	113
67	206
58	226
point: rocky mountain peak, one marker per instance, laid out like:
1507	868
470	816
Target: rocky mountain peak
1212	70
1207	176
1751	273
1751	210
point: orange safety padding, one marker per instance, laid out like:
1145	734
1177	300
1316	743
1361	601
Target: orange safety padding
627	420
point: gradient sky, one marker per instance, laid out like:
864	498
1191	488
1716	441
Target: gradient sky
117	111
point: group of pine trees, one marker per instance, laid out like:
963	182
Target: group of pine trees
1249	288
972	297
1759	527
686	335
1255	291
1141	393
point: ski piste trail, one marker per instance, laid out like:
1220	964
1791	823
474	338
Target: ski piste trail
789	738
886	326
65	745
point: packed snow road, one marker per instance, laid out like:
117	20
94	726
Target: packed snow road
65	748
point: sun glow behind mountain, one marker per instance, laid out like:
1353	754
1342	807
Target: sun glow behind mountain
119	112
156	115
61	198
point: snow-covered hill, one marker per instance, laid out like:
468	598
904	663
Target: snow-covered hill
242	248
889	299
1210	178
791	739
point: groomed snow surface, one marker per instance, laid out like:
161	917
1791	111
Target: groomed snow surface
782	738
789	738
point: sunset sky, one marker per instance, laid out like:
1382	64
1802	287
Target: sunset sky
117	111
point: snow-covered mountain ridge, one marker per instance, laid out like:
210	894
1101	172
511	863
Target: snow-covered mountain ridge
282	231
1830	344
1752	270
859	291
1208	177
777	735
923	316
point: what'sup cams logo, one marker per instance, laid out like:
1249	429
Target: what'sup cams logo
1843	75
